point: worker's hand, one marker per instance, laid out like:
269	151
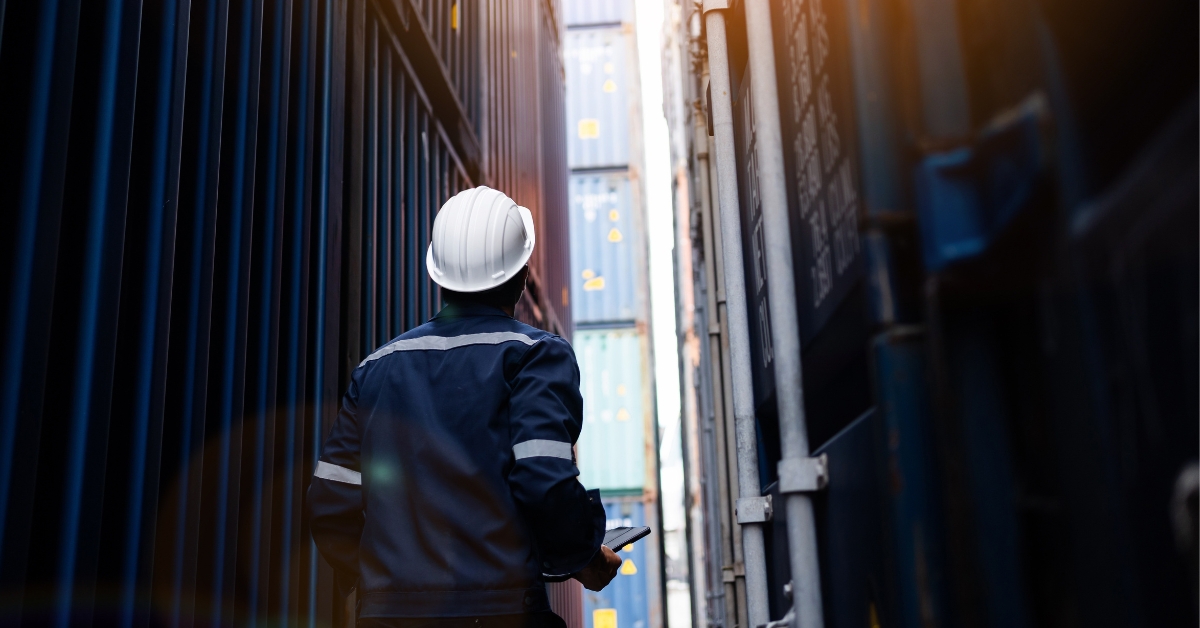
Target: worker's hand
600	571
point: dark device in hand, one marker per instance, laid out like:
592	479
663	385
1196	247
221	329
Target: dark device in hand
617	538
614	540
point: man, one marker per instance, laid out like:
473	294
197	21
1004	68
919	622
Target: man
448	484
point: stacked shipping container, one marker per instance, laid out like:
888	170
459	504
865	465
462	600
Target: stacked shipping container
604	249
609	284
628	599
612	367
218	207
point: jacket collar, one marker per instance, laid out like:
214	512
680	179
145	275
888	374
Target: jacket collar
458	310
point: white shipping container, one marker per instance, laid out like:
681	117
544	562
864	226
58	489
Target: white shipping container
595	12
603	97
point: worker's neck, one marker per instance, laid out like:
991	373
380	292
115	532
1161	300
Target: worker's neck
511	310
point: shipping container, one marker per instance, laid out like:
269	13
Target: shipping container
218	208
566	600
607	251
822	181
992	211
597	12
524	95
453	32
634	598
554	260
614	380
603	98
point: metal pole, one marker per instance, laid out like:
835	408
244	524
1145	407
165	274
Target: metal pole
754	556
785	328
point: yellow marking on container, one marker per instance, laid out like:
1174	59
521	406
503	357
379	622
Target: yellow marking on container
614	235
609	69
454	16
589	129
621	390
610	86
627	548
604	618
614	215
872	616
588	273
622	415
628	568
593	284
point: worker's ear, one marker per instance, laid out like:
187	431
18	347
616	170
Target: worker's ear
524	275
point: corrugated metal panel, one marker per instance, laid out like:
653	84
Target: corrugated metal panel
602	92
594	12
604	241
408	168
823	186
251	190
453	29
566	600
524	148
612	447
190	320
554	237
628	601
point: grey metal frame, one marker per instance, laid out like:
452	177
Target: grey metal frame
753	553
785	331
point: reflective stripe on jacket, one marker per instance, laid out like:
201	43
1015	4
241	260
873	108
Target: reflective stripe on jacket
447	485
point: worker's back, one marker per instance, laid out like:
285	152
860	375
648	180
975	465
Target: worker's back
436	454
436	422
447	487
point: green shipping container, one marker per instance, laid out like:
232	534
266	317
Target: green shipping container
615	385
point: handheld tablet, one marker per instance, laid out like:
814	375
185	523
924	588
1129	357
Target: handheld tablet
614	540
617	538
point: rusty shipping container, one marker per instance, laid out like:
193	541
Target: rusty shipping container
214	210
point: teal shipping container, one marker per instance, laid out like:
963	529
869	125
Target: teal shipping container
606	246
614	380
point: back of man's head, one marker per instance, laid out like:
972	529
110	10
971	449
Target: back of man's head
503	296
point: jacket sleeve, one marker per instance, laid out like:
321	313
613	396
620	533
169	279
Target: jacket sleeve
546	413
335	500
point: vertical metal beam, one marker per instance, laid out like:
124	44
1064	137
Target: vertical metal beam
941	77
785	328
754	556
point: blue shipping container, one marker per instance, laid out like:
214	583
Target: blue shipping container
612	448
605	237
220	208
602	92
596	12
626	602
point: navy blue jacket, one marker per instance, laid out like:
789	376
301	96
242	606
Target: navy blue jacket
448	485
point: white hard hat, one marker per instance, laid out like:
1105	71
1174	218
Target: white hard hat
481	239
